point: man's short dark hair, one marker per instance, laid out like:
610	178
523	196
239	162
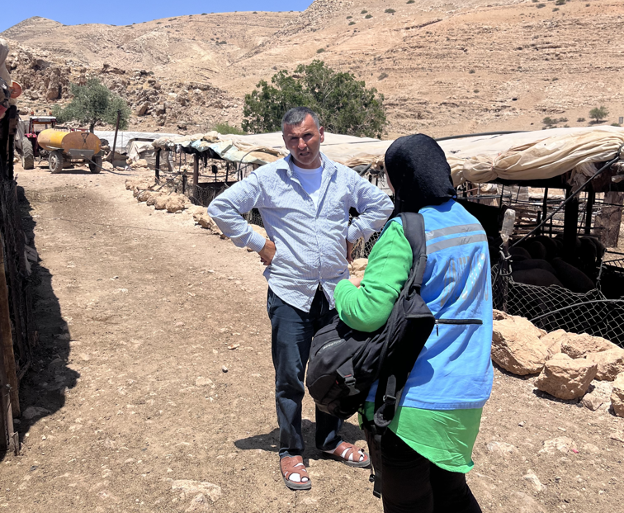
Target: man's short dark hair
296	116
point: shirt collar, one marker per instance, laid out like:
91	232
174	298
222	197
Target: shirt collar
328	165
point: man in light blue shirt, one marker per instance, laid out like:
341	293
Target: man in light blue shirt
304	200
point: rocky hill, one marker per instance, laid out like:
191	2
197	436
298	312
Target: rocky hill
445	67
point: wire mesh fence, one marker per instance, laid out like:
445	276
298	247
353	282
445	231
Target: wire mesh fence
554	307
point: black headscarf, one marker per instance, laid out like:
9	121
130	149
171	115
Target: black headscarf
419	172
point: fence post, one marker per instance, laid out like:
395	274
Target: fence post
608	222
196	177
6	338
157	165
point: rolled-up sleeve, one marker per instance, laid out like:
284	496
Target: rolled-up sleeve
373	205
226	210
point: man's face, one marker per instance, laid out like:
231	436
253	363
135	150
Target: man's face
304	143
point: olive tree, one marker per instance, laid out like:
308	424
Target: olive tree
345	105
92	103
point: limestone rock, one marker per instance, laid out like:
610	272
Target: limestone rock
565	378
153	197
107	166
138	164
142	109
500	315
562	444
516	346
359	264
144	195
552	341
532	478
205	221
161	202
175	203
617	396
610	363
501	448
598	395
577	346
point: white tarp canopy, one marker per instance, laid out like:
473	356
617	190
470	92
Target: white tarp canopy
124	138
531	155
521	156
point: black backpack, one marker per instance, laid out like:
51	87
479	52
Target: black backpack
344	363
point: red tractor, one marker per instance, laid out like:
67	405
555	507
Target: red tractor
26	139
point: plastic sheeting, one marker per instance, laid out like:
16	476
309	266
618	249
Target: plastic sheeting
531	155
479	159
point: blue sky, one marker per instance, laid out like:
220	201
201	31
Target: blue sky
116	12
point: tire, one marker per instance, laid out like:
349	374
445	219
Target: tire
95	166
55	161
28	157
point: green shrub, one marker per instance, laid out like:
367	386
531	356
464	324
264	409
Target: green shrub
368	16
352	23
548	121
226	128
555	9
562	120
471	71
599	113
389	11
411	1
320	50
476	91
560	2
539	6
364	11
349	17
343	102
382	76
580	120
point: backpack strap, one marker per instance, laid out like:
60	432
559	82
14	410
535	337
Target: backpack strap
414	230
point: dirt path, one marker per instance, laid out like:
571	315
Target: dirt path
139	314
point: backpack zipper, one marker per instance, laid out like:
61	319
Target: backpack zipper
456	322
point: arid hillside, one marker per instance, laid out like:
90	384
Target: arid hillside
444	67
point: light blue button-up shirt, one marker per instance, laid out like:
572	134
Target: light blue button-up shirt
310	241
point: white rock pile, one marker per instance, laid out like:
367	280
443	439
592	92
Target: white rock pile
570	366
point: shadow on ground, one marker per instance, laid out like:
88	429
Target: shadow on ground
43	387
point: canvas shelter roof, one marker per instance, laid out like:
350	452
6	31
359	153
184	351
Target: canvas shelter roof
520	156
124	138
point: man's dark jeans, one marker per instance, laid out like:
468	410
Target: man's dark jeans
292	332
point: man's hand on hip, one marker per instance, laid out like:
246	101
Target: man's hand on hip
349	251
267	252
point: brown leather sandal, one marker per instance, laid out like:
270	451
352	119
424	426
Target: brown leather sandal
349	454
292	466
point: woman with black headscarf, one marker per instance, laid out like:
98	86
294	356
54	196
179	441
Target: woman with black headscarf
427	449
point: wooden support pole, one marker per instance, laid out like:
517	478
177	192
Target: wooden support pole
570	227
610	218
6	338
157	171
589	210
196	177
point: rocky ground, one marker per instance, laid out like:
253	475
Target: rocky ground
151	389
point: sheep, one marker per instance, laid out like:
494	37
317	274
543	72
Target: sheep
572	278
536	277
533	263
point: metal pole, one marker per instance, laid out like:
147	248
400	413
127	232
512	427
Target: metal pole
115	139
